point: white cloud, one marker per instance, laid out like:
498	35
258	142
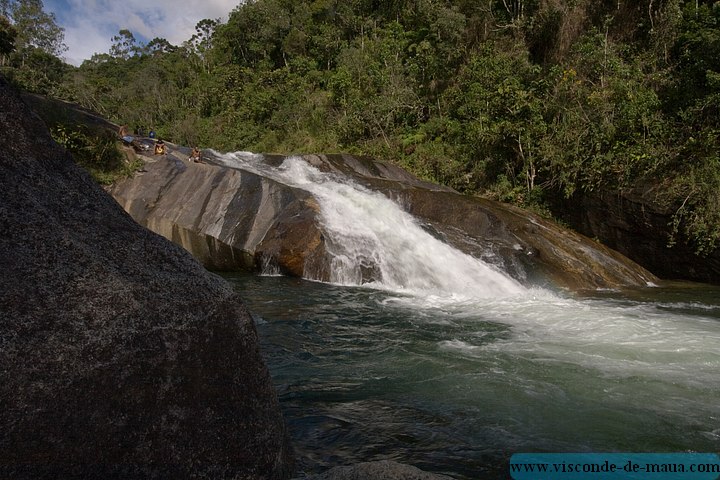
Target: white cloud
91	24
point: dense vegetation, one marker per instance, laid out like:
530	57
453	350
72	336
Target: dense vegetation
523	100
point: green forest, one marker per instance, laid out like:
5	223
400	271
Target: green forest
523	101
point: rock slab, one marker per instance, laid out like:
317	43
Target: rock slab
120	356
234	219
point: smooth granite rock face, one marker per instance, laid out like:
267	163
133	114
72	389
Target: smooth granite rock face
233	218
633	223
228	219
120	356
533	250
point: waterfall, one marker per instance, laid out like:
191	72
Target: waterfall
372	241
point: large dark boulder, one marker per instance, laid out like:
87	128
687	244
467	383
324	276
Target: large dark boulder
120	356
636	225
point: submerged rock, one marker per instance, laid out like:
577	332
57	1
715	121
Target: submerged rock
235	218
381	470
121	357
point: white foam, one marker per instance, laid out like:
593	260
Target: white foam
367	232
372	241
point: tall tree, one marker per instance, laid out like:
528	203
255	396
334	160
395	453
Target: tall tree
202	41
35	27
158	46
5	8
8	34
124	45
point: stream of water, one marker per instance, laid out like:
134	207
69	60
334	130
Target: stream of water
457	388
444	362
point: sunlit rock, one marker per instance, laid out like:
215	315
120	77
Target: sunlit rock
244	215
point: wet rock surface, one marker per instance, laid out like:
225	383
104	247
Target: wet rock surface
120	356
632	223
382	470
235	219
530	248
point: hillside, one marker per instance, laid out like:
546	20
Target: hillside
540	103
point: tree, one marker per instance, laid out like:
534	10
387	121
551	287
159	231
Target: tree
35	27
8	34
41	73
5	8
497	105
204	30
202	40
30	43
158	46
124	45
255	31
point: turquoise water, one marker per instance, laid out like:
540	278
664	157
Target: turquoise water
456	385
420	353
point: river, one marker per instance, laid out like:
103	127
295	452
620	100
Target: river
456	388
442	361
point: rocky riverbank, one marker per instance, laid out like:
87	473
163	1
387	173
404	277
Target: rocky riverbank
121	357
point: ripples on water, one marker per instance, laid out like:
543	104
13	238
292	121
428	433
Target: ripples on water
443	380
456	386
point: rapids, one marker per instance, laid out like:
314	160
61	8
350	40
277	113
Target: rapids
420	353
457	386
372	240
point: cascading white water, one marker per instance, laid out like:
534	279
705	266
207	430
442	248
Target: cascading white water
481	378
368	232
508	369
373	241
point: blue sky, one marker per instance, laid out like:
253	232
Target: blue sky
90	24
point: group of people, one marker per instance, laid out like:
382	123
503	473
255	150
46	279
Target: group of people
160	147
195	155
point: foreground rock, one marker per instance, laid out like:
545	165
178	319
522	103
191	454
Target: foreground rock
121	357
232	218
382	470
